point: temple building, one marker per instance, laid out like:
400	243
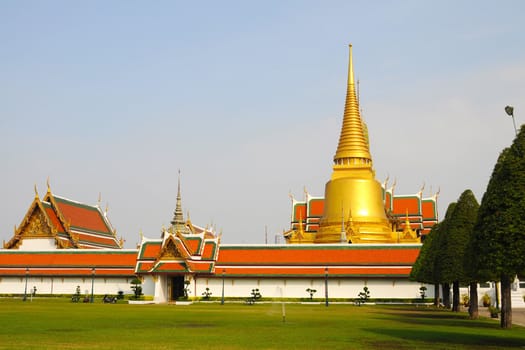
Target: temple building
63	244
57	222
359	234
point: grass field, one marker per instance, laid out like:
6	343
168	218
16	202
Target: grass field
59	324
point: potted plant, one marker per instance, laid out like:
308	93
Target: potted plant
494	311
465	300
485	299
206	294
423	292
311	292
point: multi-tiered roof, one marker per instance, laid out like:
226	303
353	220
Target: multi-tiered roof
66	223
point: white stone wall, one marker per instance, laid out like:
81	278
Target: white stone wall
65	285
296	287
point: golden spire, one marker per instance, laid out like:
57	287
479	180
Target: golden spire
353	146
353	185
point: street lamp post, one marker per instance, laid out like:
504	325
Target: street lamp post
510	112
25	288
222	297
92	284
326	286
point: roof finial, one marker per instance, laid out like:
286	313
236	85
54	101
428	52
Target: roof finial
421	190
36	192
178	215
48	186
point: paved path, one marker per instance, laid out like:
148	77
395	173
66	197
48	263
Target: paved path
518	315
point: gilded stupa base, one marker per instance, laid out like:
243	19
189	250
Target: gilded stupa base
365	232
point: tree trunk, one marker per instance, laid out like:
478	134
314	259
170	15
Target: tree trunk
473	301
436	294
446	295
506	307
455	296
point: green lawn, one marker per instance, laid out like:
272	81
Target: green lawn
59	324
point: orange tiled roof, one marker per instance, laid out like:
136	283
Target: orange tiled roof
82	216
85	224
311	260
178	253
288	260
68	262
53	218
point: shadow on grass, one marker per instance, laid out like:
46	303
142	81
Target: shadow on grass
445	337
445	327
453	320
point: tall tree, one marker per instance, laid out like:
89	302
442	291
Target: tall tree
423	269
499	234
453	243
440	257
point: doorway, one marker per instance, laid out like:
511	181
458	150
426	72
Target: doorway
177	287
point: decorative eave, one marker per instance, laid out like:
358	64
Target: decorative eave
15	242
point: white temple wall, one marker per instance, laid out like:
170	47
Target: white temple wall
65	285
148	285
296	287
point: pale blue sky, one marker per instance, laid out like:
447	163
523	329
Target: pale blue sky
246	98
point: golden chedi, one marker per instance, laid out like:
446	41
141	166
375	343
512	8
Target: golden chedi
354	211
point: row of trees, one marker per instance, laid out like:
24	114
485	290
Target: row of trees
477	243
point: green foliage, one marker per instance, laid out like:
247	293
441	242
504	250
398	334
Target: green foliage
499	240
424	269
311	292
363	296
452	245
206	294
256	295
494	311
136	287
465	300
423	292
